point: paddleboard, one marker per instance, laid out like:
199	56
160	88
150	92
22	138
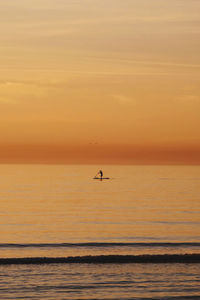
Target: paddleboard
101	178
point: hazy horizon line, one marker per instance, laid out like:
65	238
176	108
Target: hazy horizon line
100	154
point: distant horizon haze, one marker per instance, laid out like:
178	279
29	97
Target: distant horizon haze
100	154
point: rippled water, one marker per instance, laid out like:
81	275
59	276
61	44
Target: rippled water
130	281
60	211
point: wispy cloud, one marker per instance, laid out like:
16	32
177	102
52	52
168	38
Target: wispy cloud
14	92
123	99
189	98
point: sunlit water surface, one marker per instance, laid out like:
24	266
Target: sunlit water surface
44	209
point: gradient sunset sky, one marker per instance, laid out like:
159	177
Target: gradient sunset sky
114	81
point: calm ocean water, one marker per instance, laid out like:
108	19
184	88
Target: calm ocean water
60	211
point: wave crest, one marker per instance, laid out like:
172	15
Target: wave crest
105	259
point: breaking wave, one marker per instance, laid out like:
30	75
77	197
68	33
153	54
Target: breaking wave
105	259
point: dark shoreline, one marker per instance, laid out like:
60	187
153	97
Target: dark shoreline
106	259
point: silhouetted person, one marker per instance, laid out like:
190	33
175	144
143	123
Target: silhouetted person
101	174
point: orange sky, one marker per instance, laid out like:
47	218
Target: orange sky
100	81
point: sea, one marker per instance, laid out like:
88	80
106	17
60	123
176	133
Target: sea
65	235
